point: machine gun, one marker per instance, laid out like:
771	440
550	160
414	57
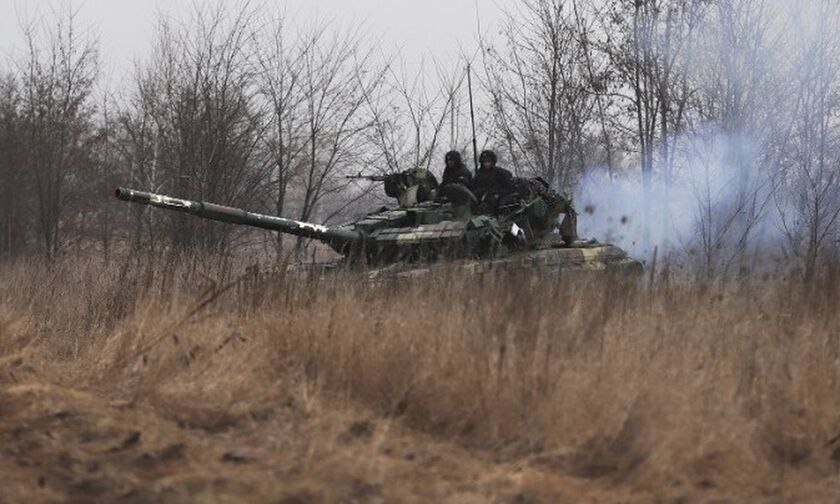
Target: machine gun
371	178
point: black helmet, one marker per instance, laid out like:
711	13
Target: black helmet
453	156
487	155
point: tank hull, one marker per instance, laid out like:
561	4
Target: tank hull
595	258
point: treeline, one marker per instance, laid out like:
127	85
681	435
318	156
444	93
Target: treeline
231	106
736	100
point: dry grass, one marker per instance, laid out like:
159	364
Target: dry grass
153	383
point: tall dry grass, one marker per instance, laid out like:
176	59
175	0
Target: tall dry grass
729	385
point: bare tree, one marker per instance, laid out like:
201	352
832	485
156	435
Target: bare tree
279	56
14	187
410	114
539	84
733	153
649	43
57	79
192	127
335	125
812	180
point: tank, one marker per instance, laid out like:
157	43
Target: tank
533	229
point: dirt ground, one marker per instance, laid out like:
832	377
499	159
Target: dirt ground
62	444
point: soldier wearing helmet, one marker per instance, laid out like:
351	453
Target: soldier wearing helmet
455	172
411	186
491	183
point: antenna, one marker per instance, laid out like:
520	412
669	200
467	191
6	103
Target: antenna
472	118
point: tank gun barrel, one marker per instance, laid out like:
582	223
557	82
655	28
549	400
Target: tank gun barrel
339	238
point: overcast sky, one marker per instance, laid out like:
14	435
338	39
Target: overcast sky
421	28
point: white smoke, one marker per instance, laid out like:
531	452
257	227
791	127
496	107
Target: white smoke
613	210
713	211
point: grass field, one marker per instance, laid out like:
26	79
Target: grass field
174	383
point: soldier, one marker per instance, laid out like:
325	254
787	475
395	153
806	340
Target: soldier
401	185
491	183
544	205
455	172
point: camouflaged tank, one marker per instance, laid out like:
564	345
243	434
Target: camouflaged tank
414	237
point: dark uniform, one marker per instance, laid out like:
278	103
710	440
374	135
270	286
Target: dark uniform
397	184
491	183
455	171
544	206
